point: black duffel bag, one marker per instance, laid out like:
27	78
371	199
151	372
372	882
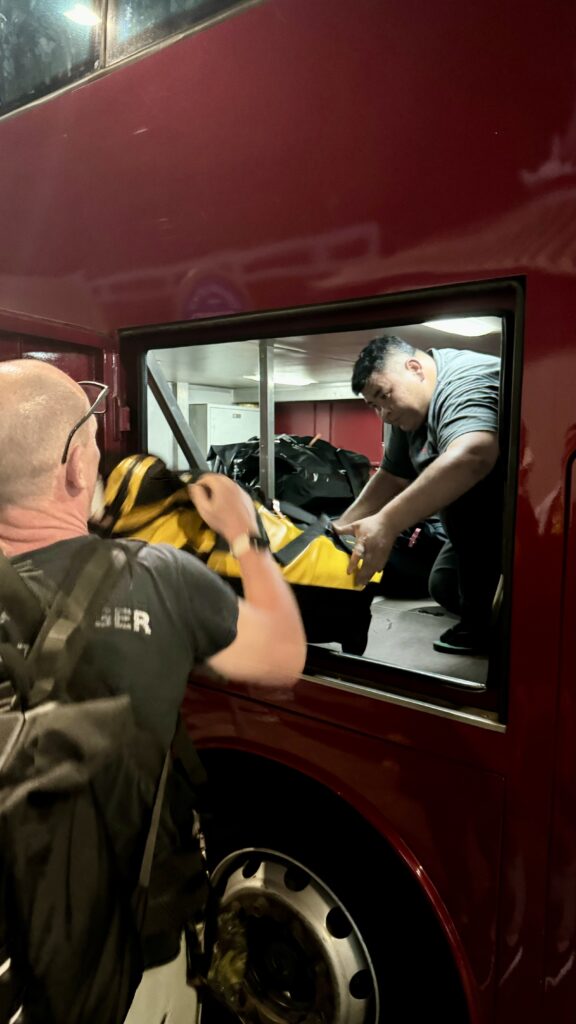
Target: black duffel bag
318	476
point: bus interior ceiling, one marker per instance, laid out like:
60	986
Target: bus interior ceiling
313	397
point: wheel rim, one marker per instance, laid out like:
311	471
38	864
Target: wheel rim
305	959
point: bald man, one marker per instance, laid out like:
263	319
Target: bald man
441	455
170	613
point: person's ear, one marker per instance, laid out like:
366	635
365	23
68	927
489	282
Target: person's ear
415	366
76	480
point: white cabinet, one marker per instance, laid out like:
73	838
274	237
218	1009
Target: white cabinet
223	424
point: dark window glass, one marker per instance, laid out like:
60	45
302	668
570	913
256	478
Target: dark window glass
135	24
44	44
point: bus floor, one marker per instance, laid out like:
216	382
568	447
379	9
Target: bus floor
402	633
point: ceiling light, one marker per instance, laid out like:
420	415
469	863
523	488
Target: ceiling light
466	326
80	14
285	379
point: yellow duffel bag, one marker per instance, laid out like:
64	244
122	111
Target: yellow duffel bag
146	501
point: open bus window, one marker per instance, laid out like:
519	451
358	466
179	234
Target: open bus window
396	620
135	24
44	46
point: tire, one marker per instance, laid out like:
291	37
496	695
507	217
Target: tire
336	929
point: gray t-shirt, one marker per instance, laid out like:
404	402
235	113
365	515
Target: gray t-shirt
464	400
167	614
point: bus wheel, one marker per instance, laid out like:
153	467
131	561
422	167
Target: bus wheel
322	921
302	954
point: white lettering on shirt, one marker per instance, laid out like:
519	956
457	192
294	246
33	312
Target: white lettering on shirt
141	622
105	620
133	620
123	618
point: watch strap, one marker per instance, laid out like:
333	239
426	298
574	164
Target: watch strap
248	542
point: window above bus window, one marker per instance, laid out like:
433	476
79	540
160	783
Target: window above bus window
44	45
136	24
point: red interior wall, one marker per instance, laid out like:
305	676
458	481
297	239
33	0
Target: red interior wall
345	423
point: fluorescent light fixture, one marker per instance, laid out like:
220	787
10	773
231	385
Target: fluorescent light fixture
287	380
81	14
466	326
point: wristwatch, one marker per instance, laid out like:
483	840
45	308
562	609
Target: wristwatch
246	542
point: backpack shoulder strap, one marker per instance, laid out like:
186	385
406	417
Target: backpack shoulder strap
26	611
71	615
19	601
184	751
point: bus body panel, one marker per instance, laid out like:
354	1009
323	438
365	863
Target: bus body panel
300	154
428	807
295	154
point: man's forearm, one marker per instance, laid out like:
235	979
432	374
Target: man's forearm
271	643
451	475
266	589
380	489
264	586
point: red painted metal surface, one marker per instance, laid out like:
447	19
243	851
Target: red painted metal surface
560	978
79	363
303	154
402	792
295	153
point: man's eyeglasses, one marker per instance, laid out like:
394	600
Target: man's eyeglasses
96	395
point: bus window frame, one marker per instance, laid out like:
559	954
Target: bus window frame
113	59
107	65
503	298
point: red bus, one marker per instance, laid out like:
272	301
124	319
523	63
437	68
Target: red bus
253	190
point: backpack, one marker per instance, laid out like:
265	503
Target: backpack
81	807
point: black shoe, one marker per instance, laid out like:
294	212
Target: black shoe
461	639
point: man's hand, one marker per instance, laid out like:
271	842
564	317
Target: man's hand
224	506
346	519
270	645
373	546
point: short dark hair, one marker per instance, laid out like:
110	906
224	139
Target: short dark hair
374	357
